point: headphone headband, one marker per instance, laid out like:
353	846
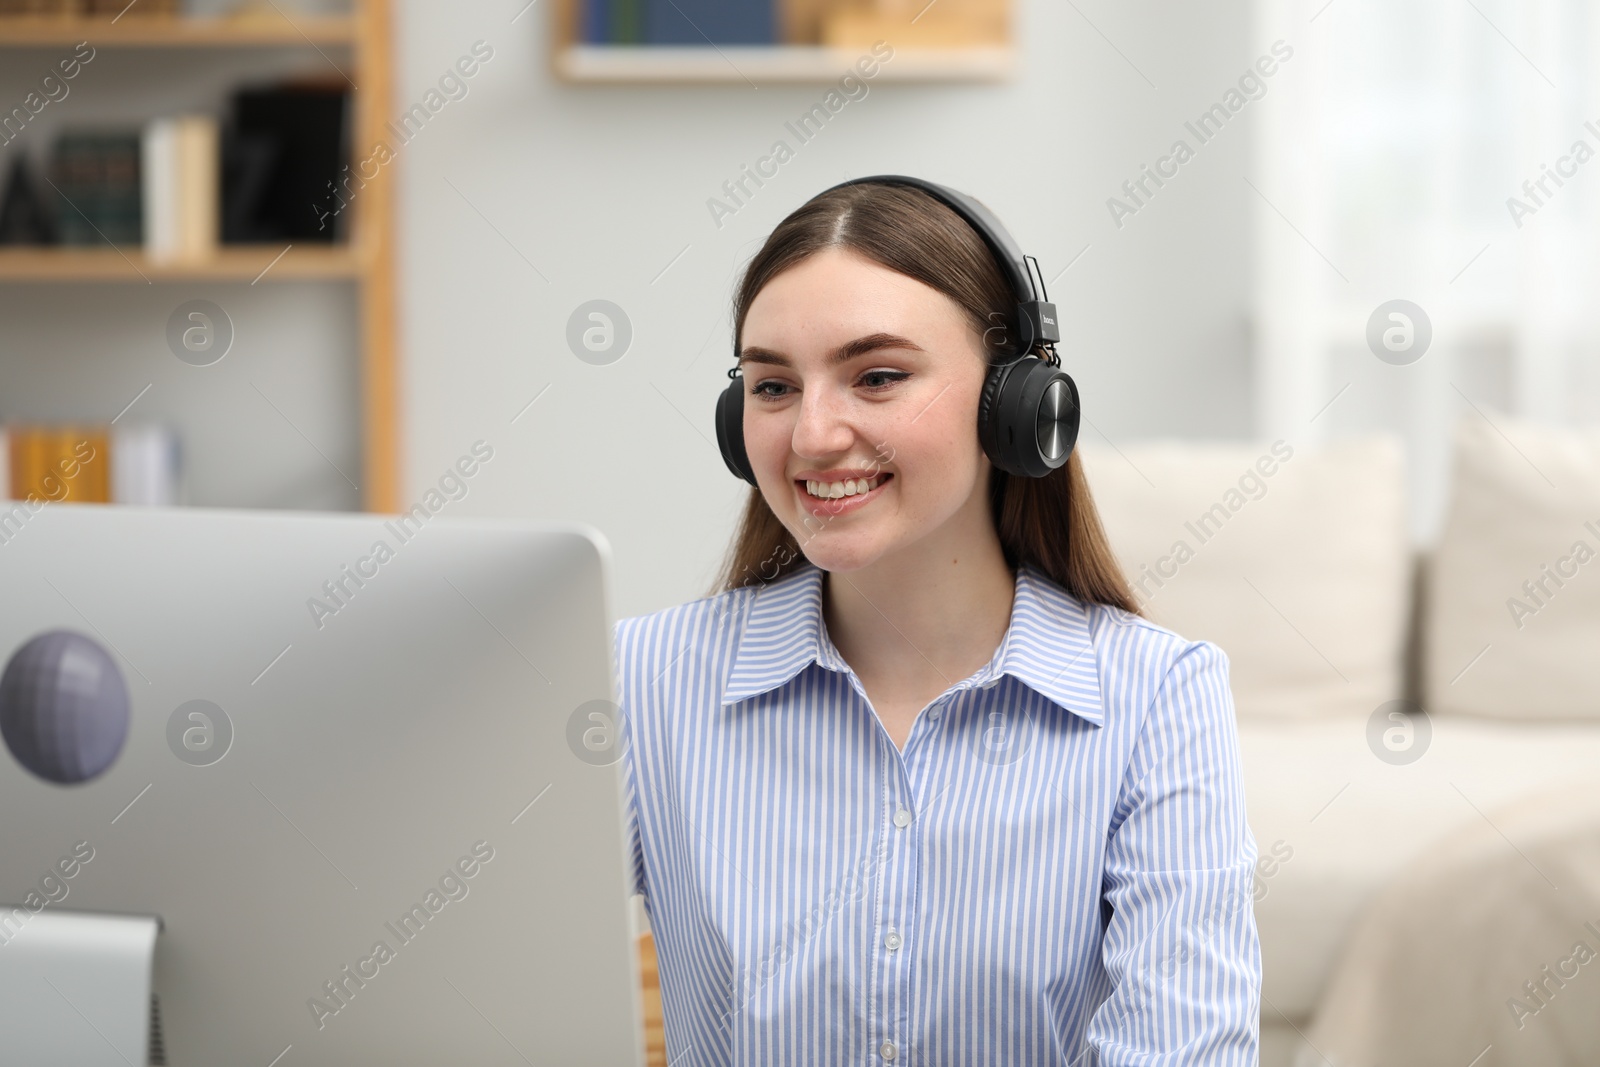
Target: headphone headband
1036	320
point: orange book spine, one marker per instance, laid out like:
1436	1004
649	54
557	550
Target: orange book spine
27	468
61	463
82	463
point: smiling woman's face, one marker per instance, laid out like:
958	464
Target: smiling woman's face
854	372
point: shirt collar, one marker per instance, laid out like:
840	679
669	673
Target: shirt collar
1048	645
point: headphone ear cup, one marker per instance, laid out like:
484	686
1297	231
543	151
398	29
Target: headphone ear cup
1056	425
730	430
1029	417
989	414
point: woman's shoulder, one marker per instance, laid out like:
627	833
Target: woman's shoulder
1121	636
720	615
1114	624
1150	672
663	656
701	620
1135	652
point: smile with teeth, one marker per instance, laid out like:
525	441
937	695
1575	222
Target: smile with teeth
848	487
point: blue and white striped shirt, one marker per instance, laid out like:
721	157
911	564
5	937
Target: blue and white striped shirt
1056	869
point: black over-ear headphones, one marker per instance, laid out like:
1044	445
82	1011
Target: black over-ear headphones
1028	411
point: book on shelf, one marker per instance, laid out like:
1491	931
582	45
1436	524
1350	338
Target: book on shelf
286	164
96	173
24	217
702	22
92	8
181	188
117	8
95	463
595	22
627	21
917	24
680	22
613	21
146	465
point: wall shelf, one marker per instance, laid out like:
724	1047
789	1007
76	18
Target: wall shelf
820	42
247	263
153	31
623	64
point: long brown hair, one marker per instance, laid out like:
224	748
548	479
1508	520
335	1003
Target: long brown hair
1049	522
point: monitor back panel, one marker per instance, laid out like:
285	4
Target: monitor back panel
388	737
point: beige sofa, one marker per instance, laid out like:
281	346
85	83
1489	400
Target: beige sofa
1296	561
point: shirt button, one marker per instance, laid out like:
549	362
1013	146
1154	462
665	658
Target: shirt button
887	1050
892	941
902	818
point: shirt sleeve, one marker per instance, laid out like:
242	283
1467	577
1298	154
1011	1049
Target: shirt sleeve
629	774
1180	947
635	847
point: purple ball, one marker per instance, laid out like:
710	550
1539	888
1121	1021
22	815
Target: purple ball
63	707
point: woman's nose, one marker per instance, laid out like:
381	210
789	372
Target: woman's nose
822	426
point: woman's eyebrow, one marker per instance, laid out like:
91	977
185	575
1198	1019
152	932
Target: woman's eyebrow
843	354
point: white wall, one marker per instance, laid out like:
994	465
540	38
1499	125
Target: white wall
598	189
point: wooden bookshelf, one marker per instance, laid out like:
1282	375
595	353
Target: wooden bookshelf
367	261
149	31
958	41
619	64
231	263
655	1035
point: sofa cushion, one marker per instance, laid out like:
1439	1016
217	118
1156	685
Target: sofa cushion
1512	623
1294	560
1335	822
1424	977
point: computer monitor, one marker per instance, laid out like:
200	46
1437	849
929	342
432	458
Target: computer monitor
342	731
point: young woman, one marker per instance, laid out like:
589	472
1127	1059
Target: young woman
918	785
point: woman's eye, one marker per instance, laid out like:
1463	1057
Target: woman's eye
772	389
887	376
